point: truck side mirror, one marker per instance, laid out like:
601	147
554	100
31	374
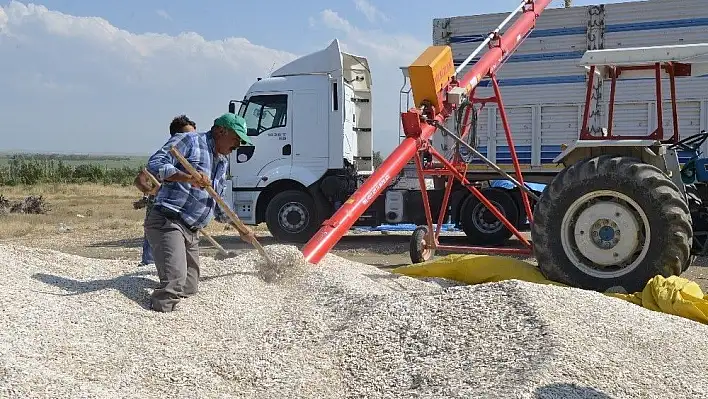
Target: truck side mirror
232	105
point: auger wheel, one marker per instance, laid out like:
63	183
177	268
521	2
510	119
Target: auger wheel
418	251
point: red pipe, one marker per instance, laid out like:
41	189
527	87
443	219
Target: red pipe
424	196
611	116
507	43
512	148
584	132
338	225
672	78
443	209
659	102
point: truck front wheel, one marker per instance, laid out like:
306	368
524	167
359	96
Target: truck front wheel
291	216
611	223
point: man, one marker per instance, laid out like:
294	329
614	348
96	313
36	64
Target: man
180	124
182	206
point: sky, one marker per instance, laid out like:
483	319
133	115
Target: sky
79	76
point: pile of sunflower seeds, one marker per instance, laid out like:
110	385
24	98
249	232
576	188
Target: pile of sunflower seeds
78	327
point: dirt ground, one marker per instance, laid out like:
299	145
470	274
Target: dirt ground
100	222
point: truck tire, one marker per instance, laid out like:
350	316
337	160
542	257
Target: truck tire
291	216
611	223
479	223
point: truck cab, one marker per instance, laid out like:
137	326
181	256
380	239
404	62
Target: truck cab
310	122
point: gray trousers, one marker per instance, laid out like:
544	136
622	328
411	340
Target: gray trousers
176	252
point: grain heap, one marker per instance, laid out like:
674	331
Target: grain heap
74	327
287	263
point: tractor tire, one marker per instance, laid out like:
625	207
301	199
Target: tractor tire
292	217
479	223
611	223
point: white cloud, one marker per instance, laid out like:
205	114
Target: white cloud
164	14
81	84
3	19
372	13
387	52
401	48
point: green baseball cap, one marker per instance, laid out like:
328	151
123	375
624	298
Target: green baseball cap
235	123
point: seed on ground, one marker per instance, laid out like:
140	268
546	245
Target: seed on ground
78	327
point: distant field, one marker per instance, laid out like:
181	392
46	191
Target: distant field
109	161
29	169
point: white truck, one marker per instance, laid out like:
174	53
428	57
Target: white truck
311	120
311	125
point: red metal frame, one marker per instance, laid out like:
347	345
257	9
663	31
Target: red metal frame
419	125
672	69
460	176
456	170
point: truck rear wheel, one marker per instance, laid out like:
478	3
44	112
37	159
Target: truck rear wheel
479	223
611	223
291	216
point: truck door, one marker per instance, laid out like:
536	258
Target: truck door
350	138
269	125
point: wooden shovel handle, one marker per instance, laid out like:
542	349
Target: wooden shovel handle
152	178
234	218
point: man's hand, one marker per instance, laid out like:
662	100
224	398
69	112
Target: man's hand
144	183
141	203
248	236
202	181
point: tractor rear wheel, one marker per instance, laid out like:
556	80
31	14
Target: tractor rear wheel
611	223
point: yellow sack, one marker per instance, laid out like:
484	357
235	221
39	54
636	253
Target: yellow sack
673	295
476	269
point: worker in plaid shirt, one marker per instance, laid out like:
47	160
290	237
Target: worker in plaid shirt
180	124
182	207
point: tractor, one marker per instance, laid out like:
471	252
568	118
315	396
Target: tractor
626	208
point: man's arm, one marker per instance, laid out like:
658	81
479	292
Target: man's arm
163	164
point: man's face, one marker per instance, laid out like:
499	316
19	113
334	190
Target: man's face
188	129
226	141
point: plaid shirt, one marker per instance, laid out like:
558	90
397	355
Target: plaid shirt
193	204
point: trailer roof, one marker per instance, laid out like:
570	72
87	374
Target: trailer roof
686	53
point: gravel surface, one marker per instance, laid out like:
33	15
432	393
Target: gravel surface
78	327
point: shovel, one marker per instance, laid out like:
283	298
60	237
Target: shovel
223	254
234	219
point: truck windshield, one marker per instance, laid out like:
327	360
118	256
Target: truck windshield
264	112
